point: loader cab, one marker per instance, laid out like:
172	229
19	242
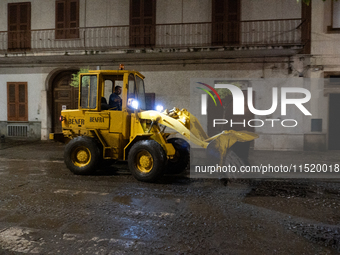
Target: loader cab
97	86
111	124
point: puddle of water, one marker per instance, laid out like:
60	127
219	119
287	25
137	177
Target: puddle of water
43	223
76	228
126	200
16	218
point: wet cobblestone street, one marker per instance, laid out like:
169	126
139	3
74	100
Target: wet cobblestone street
45	209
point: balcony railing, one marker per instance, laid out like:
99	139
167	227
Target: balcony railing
278	32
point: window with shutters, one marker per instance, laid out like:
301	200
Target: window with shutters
142	23
67	19
226	22
17	101
19	26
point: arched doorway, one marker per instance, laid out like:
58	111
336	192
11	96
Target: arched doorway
63	96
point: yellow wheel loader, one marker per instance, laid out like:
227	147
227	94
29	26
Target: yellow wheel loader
97	134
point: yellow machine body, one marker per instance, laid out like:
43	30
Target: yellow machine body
117	131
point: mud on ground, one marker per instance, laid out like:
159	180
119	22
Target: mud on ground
45	209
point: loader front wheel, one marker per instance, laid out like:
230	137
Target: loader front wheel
147	160
181	159
82	155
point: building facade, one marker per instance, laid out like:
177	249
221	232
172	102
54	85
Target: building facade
43	42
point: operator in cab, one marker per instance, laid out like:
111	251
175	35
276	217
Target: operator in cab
115	100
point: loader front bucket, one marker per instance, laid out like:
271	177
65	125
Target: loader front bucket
220	144
218	147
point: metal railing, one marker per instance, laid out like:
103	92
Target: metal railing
205	34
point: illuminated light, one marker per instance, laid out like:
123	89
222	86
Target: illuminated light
61	118
121	67
134	104
159	108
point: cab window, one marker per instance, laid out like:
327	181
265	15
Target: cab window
88	92
131	87
140	92
110	82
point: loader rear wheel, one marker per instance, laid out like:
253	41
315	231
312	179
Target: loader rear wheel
182	157
82	155
147	160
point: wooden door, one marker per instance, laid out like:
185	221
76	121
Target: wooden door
226	22
19	26
64	96
142	23
67	19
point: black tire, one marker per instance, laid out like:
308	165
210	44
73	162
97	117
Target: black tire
182	157
82	155
147	160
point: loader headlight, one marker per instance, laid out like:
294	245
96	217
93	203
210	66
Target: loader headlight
133	103
159	108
